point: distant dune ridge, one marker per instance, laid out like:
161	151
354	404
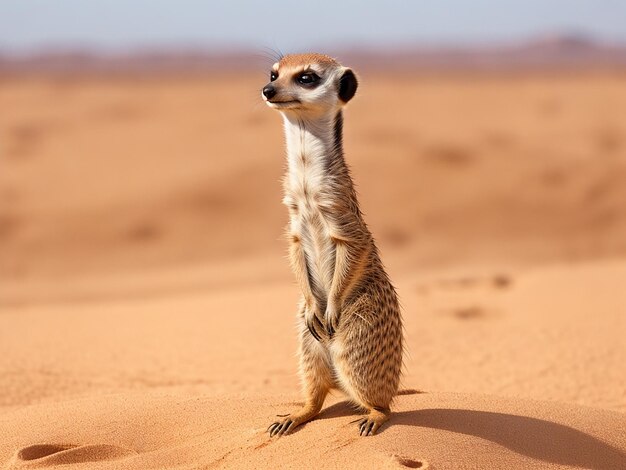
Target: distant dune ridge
543	52
146	306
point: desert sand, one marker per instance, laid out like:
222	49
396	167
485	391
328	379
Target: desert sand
147	308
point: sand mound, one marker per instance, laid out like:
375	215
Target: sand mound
48	455
428	430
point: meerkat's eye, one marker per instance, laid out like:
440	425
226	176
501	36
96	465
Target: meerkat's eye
307	78
273	75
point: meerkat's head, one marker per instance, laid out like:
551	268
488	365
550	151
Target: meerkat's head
309	84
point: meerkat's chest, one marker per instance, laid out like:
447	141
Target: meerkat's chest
305	193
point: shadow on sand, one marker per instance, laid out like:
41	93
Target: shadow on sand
532	437
535	438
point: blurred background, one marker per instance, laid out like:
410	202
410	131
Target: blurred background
137	162
133	139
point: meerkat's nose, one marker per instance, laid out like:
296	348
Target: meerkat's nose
269	91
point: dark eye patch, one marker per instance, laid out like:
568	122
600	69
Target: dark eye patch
273	75
307	79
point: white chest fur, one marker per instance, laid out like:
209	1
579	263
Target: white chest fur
306	184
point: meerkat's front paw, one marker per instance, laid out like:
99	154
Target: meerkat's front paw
332	319
313	322
315	326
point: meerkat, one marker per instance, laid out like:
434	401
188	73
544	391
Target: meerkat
349	322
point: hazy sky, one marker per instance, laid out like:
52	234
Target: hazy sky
292	25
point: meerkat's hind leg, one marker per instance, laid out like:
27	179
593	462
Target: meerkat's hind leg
317	379
373	421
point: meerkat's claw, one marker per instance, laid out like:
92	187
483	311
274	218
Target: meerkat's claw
280	427
291	421
333	324
332	320
373	421
368	427
311	327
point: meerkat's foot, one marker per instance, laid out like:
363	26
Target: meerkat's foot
292	421
374	420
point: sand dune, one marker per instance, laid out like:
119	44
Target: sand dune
192	379
430	430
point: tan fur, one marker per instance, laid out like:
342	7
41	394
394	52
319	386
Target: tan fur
296	60
349	303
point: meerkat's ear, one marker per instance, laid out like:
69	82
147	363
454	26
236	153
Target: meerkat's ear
347	85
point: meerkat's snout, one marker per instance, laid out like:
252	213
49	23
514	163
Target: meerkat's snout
269	91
